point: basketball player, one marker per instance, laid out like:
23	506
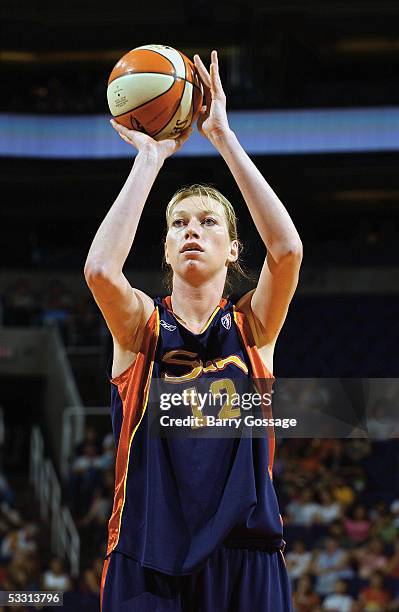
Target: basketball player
195	524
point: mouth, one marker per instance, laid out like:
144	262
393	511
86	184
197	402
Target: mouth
192	247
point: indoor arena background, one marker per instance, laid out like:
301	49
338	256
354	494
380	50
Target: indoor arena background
313	94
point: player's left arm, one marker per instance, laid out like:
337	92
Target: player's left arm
266	306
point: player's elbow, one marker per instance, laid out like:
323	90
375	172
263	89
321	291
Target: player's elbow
291	251
295	249
96	274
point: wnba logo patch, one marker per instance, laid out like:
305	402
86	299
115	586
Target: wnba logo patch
167	326
226	321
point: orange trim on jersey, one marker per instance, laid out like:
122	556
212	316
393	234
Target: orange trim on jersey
263	377
103	579
131	390
168	302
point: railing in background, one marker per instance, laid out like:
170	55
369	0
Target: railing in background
65	541
72	432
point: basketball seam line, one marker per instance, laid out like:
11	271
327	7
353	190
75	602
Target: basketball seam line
165	57
181	97
147	101
192	91
175	78
152	99
152	51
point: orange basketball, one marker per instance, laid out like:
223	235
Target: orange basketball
155	89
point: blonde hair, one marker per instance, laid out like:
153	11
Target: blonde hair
235	270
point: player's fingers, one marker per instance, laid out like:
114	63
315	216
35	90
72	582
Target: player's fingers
204	74
207	98
195	116
215	76
121	129
184	136
125	138
117	126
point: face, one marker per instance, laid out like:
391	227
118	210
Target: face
360	513
340	587
298	546
56	566
376	581
330	545
198	245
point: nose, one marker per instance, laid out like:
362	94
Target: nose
192	230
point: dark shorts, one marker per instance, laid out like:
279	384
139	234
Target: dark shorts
232	580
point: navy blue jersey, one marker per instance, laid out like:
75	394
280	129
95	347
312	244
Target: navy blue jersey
179	497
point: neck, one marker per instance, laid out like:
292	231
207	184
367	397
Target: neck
194	305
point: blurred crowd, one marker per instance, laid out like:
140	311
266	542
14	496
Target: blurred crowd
26	563
340	503
76	316
339	500
90	487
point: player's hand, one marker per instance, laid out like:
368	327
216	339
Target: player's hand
145	144
212	121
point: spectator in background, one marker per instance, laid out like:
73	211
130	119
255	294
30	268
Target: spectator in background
107	458
378	509
392	567
329	509
56	296
370	558
375	597
96	519
357	477
342	492
357	525
57	305
380	423
22	573
16	575
84	477
303	511
339	601
90	437
329	565
304	597
92	577
385	528
337	531
21	303
310	463
56	578
19	540
395	512
298	560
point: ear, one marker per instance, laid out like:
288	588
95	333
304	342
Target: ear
166	252
233	253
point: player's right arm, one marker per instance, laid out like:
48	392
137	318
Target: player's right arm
126	310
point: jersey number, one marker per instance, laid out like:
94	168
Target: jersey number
222	386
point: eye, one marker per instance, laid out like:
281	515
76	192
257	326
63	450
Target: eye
209	221
178	223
